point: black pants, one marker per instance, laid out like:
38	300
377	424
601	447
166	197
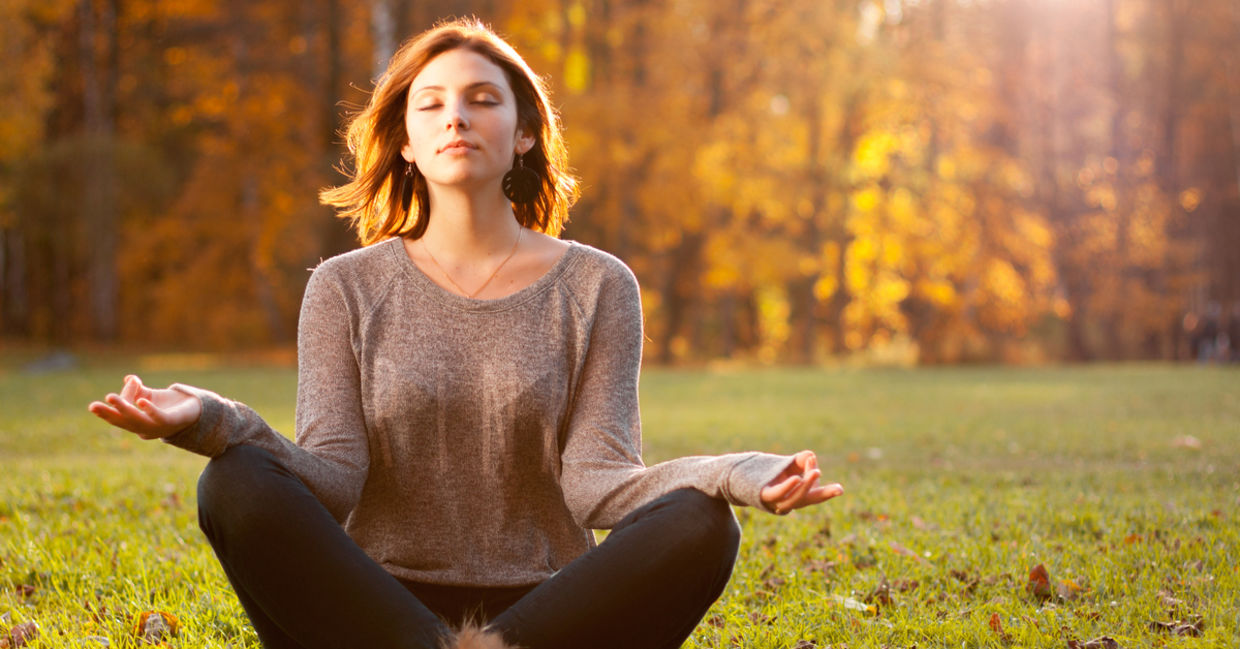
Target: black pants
305	583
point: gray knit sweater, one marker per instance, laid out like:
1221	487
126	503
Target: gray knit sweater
472	442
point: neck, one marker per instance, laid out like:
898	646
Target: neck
465	224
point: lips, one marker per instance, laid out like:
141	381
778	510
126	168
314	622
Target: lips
456	146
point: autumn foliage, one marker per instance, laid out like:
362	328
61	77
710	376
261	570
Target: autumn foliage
932	181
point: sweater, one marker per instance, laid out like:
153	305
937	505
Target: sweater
472	442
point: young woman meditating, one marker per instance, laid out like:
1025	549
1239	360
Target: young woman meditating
467	405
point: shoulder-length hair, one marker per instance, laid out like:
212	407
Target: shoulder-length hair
376	134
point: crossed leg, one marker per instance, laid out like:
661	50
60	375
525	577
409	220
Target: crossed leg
305	584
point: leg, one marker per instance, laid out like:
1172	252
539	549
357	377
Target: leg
646	587
301	579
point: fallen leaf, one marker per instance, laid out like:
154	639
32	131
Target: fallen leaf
22	634
762	618
155	627
1039	584
880	596
1172	603
996	623
25	590
1102	642
1180	627
905	585
805	644
854	605
98	640
823	566
1068	589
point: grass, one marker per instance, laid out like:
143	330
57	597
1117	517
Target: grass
959	481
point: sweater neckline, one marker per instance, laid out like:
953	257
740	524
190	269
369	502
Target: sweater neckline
447	298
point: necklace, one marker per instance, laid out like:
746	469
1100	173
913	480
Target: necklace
491	277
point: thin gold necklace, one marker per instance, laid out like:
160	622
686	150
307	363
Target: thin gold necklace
485	284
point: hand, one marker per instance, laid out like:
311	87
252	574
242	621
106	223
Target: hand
797	486
151	414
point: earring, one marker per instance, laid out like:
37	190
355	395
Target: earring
406	188
521	184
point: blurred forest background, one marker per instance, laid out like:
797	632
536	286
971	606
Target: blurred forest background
791	180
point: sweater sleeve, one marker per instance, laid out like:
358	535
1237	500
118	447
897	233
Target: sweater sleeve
602	474
330	455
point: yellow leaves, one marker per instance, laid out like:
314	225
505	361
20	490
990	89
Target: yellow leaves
773	325
1005	302
940	292
867	199
577	70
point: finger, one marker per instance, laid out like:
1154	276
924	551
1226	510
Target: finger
100	409
794	498
132	387
820	494
825	492
154	413
779	491
129	411
115	418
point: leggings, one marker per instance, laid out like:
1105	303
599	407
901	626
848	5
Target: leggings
305	584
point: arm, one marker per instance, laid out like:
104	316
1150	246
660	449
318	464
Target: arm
603	477
331	455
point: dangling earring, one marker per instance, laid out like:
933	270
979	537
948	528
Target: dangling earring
521	183
406	188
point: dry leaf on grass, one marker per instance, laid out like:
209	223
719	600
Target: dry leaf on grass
996	625
156	627
20	635
854	605
1191	627
880	595
1102	642
1039	584
1068	589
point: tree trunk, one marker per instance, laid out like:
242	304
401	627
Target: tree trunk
14	300
97	38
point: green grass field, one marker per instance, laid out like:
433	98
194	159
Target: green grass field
1122	481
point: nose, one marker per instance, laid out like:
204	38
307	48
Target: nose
456	118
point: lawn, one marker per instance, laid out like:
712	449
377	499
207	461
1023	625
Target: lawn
1122	482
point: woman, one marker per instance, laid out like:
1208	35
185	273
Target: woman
467	405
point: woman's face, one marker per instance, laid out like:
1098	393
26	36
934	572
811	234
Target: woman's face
462	121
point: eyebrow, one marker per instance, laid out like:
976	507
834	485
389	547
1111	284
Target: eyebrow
472	86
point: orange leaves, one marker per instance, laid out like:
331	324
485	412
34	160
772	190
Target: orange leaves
19	636
996	625
156	627
1039	584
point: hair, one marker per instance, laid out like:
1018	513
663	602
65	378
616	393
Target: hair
375	135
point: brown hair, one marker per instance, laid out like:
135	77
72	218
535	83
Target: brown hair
376	134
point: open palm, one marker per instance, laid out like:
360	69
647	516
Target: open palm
149	413
798	486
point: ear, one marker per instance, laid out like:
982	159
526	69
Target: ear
525	141
406	152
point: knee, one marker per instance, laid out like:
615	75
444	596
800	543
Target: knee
708	525
230	485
